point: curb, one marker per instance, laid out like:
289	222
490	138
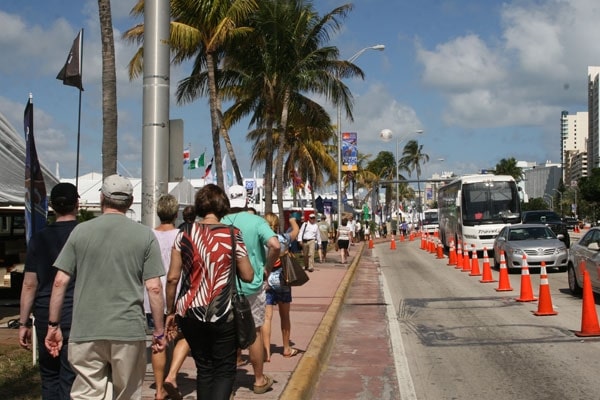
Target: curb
302	382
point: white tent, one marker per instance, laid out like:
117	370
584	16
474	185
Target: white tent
12	172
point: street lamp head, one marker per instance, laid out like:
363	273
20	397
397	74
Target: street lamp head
386	135
379	47
419	131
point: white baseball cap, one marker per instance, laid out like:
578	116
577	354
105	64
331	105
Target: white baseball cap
237	196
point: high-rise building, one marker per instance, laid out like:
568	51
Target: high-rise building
593	144
573	145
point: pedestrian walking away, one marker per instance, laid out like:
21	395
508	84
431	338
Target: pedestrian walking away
55	372
257	236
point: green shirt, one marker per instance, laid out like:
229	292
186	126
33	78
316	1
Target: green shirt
112	256
256	232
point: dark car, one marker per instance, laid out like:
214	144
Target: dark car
549	218
571	222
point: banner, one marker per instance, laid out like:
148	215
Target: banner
36	201
349	151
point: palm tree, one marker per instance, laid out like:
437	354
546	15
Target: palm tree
109	91
509	167
201	30
411	160
278	66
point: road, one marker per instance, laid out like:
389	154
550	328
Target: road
457	338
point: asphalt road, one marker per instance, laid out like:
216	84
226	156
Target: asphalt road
457	338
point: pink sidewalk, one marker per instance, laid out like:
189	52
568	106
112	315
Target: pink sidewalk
309	306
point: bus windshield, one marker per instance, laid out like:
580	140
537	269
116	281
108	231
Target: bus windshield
490	202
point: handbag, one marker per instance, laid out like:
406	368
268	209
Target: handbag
242	310
292	272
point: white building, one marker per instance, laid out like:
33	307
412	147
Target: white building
573	145
593	144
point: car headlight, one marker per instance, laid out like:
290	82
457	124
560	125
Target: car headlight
518	251
561	249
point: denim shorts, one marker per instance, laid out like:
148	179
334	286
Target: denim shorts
274	297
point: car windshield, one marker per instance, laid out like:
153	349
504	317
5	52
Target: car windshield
531	233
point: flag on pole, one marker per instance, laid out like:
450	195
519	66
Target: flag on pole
226	176
186	155
197	162
36	201
70	74
208	168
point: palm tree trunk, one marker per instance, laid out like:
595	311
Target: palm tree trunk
280	151
214	117
109	91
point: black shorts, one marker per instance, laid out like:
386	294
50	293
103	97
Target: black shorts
343	244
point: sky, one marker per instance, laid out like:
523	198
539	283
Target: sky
483	79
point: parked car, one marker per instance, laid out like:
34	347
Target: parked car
549	218
571	222
536	242
585	255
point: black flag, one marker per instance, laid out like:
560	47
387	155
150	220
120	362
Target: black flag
70	74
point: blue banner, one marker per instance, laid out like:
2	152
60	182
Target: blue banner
349	151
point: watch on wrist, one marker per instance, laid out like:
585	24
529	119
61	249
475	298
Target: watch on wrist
53	324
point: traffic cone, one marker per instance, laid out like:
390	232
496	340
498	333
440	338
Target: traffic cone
475	271
371	243
402	237
589	317
436	233
440	250
452	254
466	266
487	269
545	303
432	246
526	288
393	243
459	256
423	242
504	282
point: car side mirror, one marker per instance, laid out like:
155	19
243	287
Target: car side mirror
560	236
501	239
594	246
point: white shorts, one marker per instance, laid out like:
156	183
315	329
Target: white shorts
258	302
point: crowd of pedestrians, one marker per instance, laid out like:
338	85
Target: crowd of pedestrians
173	283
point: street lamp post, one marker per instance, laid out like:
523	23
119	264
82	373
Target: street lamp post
386	135
379	47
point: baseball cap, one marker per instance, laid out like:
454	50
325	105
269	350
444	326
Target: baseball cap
237	196
311	215
117	187
64	194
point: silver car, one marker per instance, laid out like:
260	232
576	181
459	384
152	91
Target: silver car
585	254
536	241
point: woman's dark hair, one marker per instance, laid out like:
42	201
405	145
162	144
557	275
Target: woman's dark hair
211	199
344	221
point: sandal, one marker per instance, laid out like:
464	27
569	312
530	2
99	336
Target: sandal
260	389
292	353
172	391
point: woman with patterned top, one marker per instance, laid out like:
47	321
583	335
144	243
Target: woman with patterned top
202	256
344	238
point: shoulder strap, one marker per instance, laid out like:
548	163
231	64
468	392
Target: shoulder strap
234	276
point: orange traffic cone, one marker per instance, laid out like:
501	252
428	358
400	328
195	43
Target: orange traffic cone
487	269
459	256
393	243
452	254
436	233
371	243
402	237
466	267
432	246
440	250
545	303
504	282
589	317
526	289
411	237
423	242
475	271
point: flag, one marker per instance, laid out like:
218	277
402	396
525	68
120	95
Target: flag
208	168
70	74
186	155
226	176
36	201
197	162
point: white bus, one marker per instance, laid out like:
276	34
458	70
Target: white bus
430	220
472	209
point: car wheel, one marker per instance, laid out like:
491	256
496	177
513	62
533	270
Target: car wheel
572	279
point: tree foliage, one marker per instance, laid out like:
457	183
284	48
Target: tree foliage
508	166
